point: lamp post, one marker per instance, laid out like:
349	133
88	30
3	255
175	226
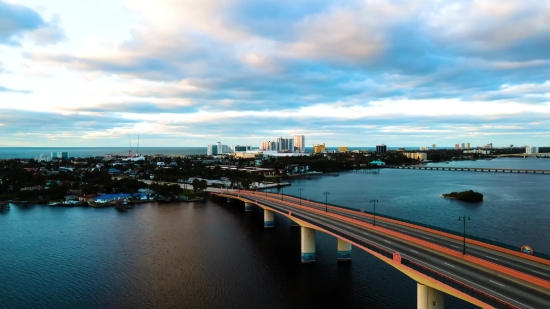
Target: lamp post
282	193
463	218
374	212
326	193
300	190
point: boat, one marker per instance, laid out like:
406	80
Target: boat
53	204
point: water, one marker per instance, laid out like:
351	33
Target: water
202	255
34	152
214	255
84	152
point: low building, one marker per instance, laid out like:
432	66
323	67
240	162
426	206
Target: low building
319	148
106	198
377	162
60	155
477	151
420	156
343	148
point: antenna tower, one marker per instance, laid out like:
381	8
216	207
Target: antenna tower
130	151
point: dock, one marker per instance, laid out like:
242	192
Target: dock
469	169
4	206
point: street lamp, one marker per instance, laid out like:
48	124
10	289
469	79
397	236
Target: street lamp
282	193
463	219
326	193
374	212
300	190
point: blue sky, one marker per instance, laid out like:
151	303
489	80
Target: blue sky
355	73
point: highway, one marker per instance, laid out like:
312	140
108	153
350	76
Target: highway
508	289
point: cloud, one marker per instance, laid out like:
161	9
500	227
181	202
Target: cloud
17	21
4	89
338	71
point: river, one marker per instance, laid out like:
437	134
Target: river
214	255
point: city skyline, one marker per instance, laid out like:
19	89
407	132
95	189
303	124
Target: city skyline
404	74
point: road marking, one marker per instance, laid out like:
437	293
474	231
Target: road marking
414	251
497	283
387	241
485	288
492	258
538	272
449	264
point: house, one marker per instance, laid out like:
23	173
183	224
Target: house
106	198
114	172
87	197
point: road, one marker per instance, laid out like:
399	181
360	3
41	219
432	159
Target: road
511	290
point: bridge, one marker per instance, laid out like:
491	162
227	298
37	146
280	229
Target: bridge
468	169
484	275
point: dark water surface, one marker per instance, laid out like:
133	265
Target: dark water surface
214	255
202	255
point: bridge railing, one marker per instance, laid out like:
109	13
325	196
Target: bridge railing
437	228
466	289
484	297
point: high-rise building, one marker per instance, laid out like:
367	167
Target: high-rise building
433	146
531	149
381	148
457	146
299	143
218	149
212	150
467	145
462	146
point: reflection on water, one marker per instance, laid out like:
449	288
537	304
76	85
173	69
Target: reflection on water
215	255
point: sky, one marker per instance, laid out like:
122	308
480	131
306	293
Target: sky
345	73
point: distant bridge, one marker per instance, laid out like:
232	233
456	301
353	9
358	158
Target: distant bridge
468	169
486	276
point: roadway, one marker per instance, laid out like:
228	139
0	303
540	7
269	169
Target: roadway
511	290
510	261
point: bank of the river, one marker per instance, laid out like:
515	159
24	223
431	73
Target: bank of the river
215	255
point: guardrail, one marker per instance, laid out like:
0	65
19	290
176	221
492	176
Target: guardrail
466	289
437	228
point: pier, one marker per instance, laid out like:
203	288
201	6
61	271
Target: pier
4	206
470	169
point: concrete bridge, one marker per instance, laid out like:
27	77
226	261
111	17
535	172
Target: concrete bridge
469	169
486	276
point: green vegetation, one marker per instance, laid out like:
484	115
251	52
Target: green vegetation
467	196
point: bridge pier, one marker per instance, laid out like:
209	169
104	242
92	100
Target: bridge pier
344	250
308	245
269	218
248	206
428	297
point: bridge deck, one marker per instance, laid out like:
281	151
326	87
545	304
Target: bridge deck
499	280
469	169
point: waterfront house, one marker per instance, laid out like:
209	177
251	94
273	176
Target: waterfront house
106	198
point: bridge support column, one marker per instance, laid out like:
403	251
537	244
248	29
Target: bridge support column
344	250
308	245
248	206
269	218
428	297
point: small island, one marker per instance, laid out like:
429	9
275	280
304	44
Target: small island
467	196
